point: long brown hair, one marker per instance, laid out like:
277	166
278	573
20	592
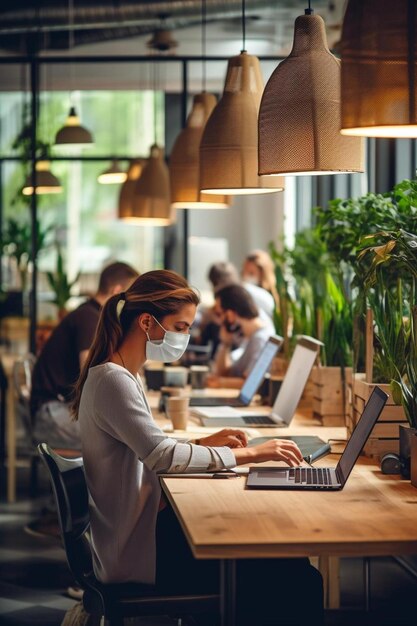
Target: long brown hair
265	265
160	293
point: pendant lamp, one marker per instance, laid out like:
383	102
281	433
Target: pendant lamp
128	189
299	117
72	133
184	162
151	199
112	175
379	68
229	146
46	182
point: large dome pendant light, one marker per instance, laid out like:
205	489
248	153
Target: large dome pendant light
151	203
379	68
184	162
72	134
299	117
229	146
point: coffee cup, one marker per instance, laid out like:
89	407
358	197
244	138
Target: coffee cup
167	392
175	376
198	376
177	411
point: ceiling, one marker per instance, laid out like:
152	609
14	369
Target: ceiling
124	27
117	26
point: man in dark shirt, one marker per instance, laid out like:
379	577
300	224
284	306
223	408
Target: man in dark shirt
58	365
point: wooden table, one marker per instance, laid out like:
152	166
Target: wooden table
374	515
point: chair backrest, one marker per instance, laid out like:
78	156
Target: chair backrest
71	498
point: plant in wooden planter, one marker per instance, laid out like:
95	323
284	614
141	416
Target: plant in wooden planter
316	306
391	284
343	224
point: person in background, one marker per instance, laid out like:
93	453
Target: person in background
225	273
135	535
62	357
258	269
220	275
237	313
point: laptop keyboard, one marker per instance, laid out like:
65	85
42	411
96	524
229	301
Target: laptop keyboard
256	419
311	475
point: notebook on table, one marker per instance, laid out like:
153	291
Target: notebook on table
312	447
252	382
288	396
325	478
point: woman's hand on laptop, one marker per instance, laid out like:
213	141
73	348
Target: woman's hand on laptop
273	450
230	437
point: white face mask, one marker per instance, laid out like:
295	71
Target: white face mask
169	349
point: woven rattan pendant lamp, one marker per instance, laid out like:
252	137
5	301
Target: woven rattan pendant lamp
229	146
127	190
299	117
151	203
184	163
379	68
151	199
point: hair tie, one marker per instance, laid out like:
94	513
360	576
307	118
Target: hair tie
120	304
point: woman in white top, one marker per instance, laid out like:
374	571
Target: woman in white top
135	536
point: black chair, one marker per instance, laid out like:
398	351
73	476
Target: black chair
116	601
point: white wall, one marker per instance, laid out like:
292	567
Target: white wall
251	222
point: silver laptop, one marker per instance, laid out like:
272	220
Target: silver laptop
328	478
289	394
252	382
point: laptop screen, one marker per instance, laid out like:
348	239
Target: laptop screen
260	368
295	379
361	433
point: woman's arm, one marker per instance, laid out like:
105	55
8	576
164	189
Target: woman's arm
273	450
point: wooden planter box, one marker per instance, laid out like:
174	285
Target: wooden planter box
385	434
328	396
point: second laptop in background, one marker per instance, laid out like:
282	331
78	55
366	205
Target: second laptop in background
251	384
289	394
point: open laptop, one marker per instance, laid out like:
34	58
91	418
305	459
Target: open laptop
328	478
288	397
252	382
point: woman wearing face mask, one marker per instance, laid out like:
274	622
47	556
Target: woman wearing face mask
135	535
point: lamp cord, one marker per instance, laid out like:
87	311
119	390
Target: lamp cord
309	11
203	42
243	26
71	44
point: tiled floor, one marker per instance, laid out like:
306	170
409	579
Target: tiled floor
34	578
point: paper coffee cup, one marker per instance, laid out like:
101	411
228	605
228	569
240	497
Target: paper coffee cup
198	376
177	411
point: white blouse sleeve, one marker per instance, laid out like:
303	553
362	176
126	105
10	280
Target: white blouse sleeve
122	412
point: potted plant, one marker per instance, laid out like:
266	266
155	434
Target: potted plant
60	284
393	255
348	227
316	305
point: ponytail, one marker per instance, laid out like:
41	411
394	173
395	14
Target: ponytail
159	292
